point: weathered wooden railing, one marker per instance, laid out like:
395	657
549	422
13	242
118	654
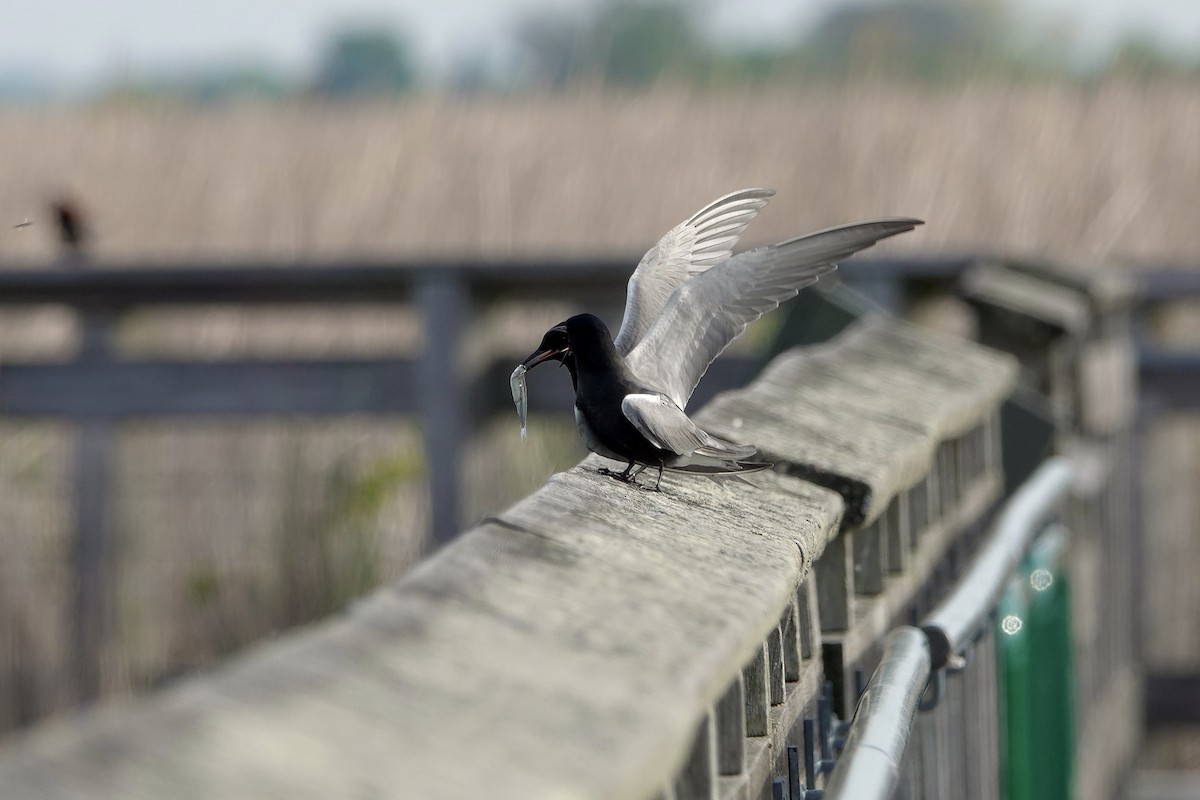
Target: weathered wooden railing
97	388
597	640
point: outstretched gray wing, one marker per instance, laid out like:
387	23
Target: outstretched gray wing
709	311
707	238
667	427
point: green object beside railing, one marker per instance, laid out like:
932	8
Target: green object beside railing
1037	687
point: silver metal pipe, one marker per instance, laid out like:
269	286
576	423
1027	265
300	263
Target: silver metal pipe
871	763
956	620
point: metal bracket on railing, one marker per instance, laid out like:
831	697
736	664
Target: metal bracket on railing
934	690
824	738
800	792
791	788
936	687
841	728
957	662
810	744
825	727
810	763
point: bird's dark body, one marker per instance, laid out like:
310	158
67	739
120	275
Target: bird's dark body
601	382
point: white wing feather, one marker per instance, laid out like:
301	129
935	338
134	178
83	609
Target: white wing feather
704	314
667	427
704	240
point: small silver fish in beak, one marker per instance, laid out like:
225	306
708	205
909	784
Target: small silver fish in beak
554	347
520	396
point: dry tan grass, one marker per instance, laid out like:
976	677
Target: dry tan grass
229	531
1072	171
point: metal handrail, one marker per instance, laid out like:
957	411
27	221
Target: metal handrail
953	624
871	763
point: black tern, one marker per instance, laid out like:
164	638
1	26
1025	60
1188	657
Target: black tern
689	297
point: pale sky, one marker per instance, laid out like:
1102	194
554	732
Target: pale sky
86	40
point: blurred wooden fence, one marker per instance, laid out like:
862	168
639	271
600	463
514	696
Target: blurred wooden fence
98	388
713	641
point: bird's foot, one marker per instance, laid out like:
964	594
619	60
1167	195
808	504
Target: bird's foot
628	476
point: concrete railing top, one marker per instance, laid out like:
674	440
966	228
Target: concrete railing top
563	649
864	413
566	648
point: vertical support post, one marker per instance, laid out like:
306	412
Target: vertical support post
789	633
444	303
775	669
809	618
918	510
698	779
871	557
92	548
900	534
730	716
757	694
834	573
92	553
1129	470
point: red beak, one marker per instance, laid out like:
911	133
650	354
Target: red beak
538	356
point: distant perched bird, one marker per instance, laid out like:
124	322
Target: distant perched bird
687	300
70	219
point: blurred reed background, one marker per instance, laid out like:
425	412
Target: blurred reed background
230	531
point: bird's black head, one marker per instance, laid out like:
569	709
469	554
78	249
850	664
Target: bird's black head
580	333
555	346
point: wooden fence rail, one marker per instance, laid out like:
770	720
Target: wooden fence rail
600	641
597	639
97	389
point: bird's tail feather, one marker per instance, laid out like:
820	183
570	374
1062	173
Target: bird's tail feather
726	451
721	467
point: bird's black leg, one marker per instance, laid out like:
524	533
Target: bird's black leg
633	476
657	482
624	477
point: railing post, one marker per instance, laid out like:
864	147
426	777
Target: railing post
445	303
93	543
